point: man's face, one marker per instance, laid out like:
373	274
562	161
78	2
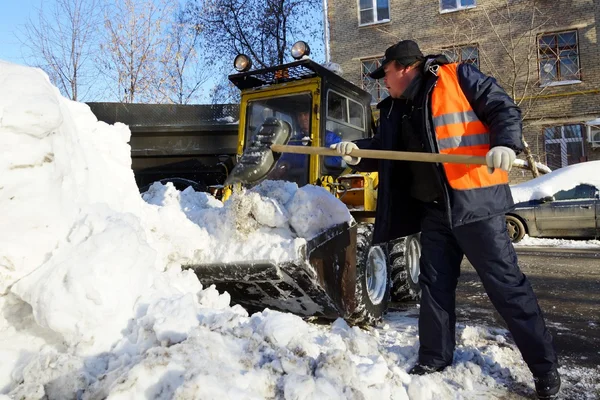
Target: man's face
304	121
396	79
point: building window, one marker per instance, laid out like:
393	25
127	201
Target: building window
463	54
373	11
564	145
455	5
373	86
558	55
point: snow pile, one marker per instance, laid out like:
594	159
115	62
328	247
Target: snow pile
86	252
561	179
269	222
94	303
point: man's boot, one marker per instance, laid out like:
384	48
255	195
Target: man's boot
420	369
548	385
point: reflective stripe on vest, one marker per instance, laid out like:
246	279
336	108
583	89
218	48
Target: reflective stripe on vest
459	131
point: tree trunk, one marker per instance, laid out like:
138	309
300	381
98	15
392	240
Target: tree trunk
530	160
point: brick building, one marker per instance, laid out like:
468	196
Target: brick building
544	53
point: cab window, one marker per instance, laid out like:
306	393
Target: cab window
345	116
295	109
345	121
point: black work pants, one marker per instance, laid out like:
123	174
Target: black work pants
489	249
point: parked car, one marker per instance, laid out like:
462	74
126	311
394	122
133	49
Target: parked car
562	203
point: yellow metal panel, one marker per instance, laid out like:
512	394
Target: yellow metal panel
371	183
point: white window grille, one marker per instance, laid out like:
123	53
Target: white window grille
558	56
374	86
564	145
465	54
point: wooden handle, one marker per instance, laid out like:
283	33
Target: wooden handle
384	154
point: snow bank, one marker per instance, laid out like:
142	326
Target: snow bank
87	254
561	179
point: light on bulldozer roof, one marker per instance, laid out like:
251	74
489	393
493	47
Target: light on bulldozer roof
300	49
242	63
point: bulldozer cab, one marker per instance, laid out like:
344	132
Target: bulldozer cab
321	107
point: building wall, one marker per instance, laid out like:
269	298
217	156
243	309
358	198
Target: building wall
488	26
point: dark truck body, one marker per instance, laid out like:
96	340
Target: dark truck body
195	143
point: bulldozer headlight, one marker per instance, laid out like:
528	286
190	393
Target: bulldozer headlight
242	63
300	49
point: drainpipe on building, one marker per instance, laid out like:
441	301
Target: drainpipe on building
326	32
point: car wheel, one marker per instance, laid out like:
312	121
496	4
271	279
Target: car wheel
372	279
515	227
405	259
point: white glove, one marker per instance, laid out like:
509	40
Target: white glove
500	157
345	148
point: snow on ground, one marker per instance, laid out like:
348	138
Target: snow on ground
563	243
561	179
94	303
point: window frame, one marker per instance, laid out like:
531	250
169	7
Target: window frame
458	7
459	47
557	81
374	12
381	90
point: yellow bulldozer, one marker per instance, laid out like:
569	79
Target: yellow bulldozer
340	273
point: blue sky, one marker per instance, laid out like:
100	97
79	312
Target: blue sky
13	16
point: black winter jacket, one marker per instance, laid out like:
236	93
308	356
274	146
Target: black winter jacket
398	214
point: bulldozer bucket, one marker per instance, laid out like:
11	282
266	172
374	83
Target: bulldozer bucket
320	282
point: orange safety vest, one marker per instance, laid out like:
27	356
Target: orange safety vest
459	131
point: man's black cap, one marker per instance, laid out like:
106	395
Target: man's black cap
405	52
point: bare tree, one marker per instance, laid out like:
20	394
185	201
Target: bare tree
61	40
131	49
513	27
182	71
262	29
224	92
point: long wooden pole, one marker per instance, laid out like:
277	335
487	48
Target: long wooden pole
384	154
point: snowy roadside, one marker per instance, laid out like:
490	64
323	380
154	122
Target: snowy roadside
527	241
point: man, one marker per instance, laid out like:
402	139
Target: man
441	107
330	138
294	167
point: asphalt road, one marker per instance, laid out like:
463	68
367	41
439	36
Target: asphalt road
568	289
